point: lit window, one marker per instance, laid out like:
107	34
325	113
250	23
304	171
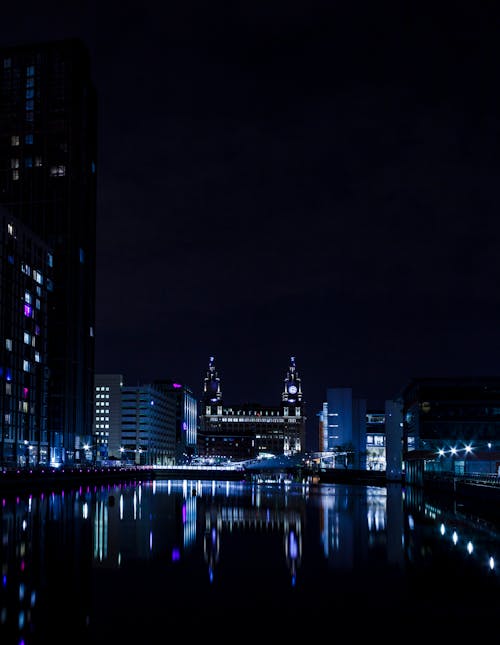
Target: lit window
50	259
25	406
14	140
28	139
37	277
27	338
30	104
14	162
38	162
37	357
30	82
25	268
37	303
27	297
82	256
8	344
30	93
57	171
28	162
30	70
28	311
15	175
26	366
10	229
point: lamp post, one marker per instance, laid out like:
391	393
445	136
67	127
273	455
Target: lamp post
468	450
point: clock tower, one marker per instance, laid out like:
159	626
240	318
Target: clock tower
292	392
212	394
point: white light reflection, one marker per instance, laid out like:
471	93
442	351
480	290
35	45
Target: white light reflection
85	511
470	548
121	506
442	530
150	540
454	537
492	563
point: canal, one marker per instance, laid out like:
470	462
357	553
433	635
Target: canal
150	561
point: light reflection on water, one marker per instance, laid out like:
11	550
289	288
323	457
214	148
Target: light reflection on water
119	562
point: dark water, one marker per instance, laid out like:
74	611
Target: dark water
161	561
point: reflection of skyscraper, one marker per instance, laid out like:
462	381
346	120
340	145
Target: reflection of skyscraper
48	182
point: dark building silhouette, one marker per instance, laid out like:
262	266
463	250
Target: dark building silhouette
250	430
48	144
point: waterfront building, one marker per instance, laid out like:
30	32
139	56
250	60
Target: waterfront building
48	145
182	399
148	426
249	430
106	439
343	422
451	424
25	285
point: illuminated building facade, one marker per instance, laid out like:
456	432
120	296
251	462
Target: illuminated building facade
48	141
25	283
246	431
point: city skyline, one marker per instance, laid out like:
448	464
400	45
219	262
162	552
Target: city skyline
317	182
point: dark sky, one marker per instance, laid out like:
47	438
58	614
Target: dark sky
317	179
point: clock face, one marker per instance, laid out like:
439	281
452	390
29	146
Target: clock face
292	389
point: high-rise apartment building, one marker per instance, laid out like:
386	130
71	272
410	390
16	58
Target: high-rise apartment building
25	283
48	145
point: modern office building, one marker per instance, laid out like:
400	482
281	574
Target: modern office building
106	441
343	426
249	430
380	449
181	397
25	285
148	426
48	145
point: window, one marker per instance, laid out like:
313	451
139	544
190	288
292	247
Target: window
27	338
14	163
28	139
27	297
37	357
30	93
30	70
15	175
38	162
26	366
14	140
8	344
28	162
30	104
10	229
7	62
50	259
57	171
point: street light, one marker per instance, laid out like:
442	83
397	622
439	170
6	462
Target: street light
468	450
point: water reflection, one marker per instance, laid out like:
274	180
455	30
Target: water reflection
113	561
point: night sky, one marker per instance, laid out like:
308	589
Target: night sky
315	179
